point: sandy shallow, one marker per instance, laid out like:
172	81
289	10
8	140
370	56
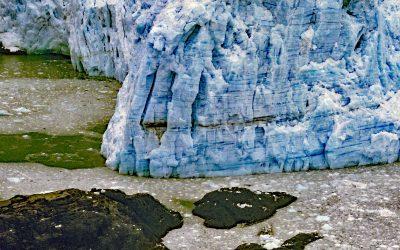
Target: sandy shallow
356	208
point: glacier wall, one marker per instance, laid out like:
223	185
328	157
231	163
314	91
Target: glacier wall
34	26
214	88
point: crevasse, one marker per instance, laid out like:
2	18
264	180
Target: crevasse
231	87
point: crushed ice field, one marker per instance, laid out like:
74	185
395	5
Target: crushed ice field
352	208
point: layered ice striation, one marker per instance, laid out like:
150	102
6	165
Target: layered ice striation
229	87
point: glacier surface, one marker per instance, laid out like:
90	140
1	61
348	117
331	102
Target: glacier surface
231	87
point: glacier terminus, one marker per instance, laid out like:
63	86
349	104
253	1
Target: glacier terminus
230	87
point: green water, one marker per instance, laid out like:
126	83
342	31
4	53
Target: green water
69	151
65	151
41	67
187	204
37	66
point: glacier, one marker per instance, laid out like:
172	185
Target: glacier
230	87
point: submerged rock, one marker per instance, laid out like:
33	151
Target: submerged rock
228	207
297	242
232	87
99	219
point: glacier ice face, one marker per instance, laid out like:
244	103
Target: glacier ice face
233	87
34	26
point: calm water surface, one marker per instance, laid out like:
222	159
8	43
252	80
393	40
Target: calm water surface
37	66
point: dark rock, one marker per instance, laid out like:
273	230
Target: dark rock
228	207
250	246
298	242
75	219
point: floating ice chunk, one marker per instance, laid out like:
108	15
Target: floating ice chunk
270	242
327	227
4	113
300	187
384	212
322	218
243	205
15	179
22	110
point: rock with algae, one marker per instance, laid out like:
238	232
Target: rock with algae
233	87
75	219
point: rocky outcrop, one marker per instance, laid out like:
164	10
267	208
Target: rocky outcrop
298	242
75	219
228	207
238	87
